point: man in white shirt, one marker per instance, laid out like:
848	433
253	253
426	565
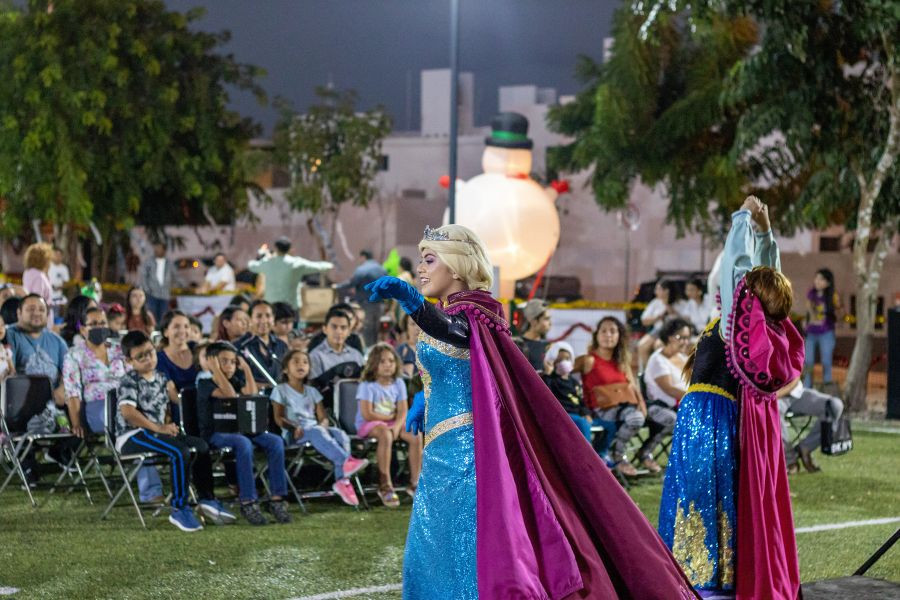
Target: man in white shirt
220	276
59	275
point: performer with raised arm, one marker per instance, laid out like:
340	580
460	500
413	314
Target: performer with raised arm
726	508
544	518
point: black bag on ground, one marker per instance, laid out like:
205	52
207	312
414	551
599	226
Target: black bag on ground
837	438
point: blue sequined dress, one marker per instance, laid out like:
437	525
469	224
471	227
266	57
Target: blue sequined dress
440	559
697	513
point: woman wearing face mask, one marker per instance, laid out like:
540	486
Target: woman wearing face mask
90	370
567	389
542	497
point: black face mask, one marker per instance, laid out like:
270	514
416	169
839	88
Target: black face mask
98	335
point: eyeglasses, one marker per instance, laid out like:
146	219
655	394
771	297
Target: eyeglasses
96	324
143	356
680	338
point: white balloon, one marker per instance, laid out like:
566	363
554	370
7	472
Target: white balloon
515	217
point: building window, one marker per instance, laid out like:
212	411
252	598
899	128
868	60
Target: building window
829	244
384	162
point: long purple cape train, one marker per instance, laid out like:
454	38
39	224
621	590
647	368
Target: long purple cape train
552	521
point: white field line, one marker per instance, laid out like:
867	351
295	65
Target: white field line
864	429
845	525
8	591
354	592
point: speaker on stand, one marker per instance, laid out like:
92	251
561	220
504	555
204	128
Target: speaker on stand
893	363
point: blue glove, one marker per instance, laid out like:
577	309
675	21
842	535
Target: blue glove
415	418
391	288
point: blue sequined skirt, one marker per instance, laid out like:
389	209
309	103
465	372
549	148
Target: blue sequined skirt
440	560
697	515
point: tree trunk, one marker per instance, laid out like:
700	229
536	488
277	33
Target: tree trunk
868	272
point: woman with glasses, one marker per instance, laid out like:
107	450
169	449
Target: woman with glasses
665	386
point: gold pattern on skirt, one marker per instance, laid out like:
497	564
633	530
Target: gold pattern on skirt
726	552
444	347
689	545
446	425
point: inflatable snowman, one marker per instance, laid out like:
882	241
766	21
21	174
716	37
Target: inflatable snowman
514	216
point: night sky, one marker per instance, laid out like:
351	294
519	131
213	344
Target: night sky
378	47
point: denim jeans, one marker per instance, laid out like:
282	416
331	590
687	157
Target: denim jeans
331	442
825	342
583	424
242	446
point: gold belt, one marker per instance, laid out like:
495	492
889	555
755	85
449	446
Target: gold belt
448	425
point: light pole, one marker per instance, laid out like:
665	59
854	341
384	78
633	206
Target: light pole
454	100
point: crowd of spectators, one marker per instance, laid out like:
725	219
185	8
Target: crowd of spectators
152	354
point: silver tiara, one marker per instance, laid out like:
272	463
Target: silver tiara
433	235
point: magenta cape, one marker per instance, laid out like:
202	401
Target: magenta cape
552	521
764	356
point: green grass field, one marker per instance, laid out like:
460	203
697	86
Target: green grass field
63	550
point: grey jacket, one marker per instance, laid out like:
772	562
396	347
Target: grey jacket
150	283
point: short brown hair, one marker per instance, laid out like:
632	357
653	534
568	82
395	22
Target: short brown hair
37	256
773	290
370	371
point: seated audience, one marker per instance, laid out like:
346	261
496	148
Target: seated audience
661	307
334	359
231	377
533	342
285	321
115	316
354	340
566	388
262	344
143	424
409	331
382	415
38	351
696	309
301	415
231	325
74	318
137	316
175	358
611	390
665	386
802	400
90	371
7	367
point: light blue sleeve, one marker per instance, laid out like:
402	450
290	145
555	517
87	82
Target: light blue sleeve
276	395
736	262
364	391
744	250
401	390
316	395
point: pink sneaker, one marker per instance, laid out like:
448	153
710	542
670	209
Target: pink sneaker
344	489
352	466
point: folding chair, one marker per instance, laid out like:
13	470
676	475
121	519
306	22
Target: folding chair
137	460
21	398
190	426
800	425
88	447
299	456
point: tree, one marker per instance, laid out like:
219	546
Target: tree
653	112
333	153
115	112
812	117
826	81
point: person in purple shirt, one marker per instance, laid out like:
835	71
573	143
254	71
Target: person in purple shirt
823	305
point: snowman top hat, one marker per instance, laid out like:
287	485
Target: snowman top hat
509	130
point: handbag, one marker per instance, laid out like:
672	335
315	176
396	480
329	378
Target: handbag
613	394
837	438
